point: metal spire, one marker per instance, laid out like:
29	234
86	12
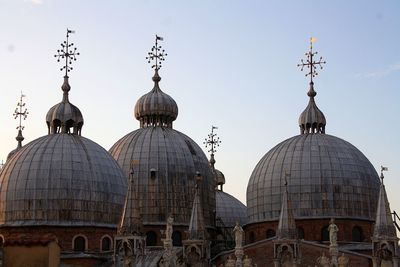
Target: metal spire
21	113
157	54
212	141
67	52
310	63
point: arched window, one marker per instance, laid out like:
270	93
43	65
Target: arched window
325	234
151	238
106	243
270	233
177	238
356	234
79	243
300	232
251	237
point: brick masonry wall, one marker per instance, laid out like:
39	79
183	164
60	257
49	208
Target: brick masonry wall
313	229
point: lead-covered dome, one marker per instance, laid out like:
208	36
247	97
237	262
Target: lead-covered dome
61	179
329	177
64	115
165	162
230	209
156	107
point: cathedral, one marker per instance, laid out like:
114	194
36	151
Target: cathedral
156	199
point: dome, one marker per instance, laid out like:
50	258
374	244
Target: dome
165	163
156	107
219	177
62	180
328	177
230	209
64	115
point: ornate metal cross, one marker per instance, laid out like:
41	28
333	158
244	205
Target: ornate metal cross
68	52
21	111
310	63
212	141
156	54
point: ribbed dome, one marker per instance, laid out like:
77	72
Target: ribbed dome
165	163
329	177
156	108
61	179
312	120
64	115
230	209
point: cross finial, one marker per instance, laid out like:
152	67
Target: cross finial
21	112
67	52
157	54
310	63
212	141
383	169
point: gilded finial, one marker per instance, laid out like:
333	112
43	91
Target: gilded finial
67	52
21	113
157	54
310	63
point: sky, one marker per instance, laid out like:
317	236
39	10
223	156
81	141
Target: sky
230	63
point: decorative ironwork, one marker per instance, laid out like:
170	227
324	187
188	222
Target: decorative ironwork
156	54
21	112
310	63
68	52
212	141
383	169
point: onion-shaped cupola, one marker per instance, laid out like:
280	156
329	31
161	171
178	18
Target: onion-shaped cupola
312	120
156	108
65	117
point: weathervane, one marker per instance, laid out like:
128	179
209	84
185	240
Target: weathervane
68	52
21	111
156	54
310	63
382	170
212	141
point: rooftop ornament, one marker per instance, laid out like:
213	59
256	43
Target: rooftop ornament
21	113
67	52
311	120
211	143
157	54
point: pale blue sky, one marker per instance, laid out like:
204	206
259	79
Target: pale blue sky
230	63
